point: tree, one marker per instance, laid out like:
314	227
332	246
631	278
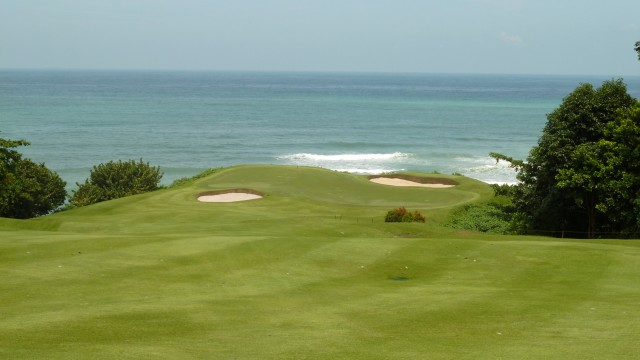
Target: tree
551	197
637	48
27	189
115	180
605	176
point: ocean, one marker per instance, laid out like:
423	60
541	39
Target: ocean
186	122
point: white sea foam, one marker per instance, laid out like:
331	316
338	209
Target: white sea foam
482	168
345	157
357	163
493	173
482	160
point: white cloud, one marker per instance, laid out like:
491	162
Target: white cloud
511	39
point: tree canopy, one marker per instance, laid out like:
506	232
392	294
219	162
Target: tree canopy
114	180
27	189
637	48
584	174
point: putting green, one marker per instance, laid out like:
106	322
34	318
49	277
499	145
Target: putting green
310	271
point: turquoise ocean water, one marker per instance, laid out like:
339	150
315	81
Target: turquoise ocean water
186	122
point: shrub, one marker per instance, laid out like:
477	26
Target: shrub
395	215
115	180
489	218
498	215
403	215
27	189
417	217
504	190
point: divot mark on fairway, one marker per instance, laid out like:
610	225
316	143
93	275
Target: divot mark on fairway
229	195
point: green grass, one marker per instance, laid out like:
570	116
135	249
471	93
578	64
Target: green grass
311	271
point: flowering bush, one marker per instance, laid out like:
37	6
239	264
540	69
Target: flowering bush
403	215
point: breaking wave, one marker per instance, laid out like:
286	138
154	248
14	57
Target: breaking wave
482	168
345	157
488	170
363	163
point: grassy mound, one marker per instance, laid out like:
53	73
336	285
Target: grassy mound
311	271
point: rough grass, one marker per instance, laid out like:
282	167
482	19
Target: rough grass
311	271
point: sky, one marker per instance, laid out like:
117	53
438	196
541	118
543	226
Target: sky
585	37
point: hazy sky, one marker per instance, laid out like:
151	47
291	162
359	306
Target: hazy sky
452	36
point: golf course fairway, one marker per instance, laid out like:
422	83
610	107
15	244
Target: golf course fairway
309	270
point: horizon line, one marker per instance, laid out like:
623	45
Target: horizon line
398	72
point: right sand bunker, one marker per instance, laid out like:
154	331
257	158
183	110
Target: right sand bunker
399	180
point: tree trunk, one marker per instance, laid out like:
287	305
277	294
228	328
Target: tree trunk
591	214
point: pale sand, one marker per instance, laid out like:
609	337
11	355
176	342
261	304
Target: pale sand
402	182
228	197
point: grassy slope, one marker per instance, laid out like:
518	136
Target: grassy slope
310	271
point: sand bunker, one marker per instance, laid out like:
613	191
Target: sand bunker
227	196
403	182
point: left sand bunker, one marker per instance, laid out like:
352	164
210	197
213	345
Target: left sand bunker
226	196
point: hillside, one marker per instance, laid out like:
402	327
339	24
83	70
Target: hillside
309	271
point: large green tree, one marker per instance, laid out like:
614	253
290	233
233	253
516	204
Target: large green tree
605	176
27	189
554	194
637	48
114	180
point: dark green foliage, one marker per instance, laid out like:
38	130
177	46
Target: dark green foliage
570	172
637	48
27	189
503	190
484	218
496	216
403	215
605	176
115	180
